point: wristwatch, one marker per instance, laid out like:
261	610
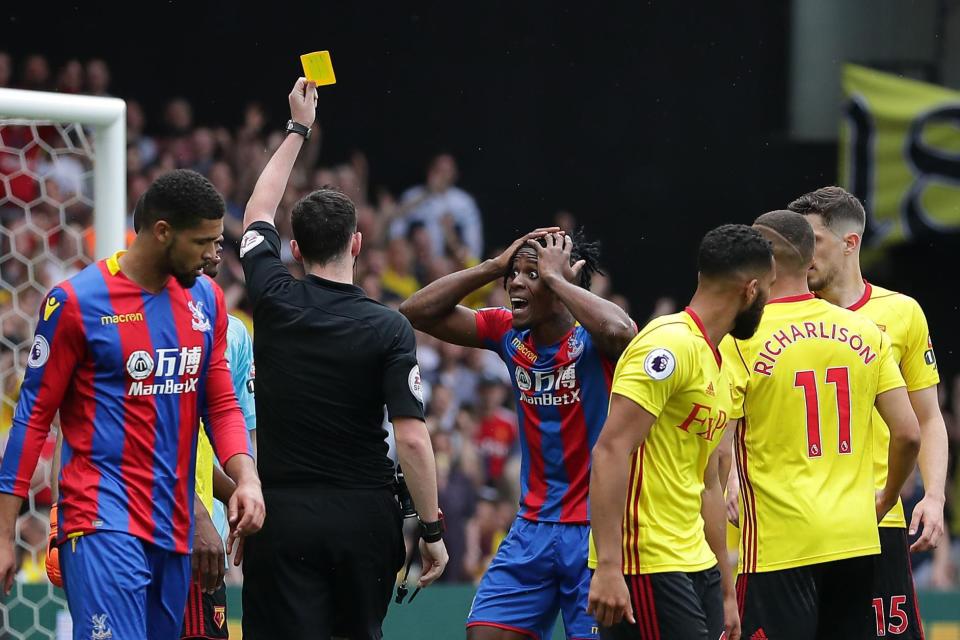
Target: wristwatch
296	127
433	531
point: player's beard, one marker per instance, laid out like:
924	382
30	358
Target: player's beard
747	321
185	277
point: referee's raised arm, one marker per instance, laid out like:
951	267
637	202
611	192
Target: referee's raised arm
329	361
263	203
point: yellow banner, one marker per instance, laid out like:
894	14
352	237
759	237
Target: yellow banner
900	154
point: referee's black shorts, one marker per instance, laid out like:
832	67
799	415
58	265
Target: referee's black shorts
324	564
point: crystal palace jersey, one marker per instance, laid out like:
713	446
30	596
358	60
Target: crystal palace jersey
132	373
562	393
805	385
902	319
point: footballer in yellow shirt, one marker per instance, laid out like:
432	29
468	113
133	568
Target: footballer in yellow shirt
838	222
805	387
656	499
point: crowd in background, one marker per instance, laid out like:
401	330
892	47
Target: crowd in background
410	238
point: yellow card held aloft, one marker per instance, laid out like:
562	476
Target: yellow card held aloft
318	68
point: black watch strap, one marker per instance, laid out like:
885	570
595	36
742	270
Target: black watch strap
433	531
296	127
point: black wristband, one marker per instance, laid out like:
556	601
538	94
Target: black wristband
433	531
296	127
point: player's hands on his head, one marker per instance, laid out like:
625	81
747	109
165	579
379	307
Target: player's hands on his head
929	514
609	600
503	260
208	559
553	260
434	556
246	512
303	102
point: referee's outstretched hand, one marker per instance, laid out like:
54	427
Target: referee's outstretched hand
434	557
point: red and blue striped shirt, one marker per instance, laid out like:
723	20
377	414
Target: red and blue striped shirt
562	393
132	373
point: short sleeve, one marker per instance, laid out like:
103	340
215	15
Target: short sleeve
889	377
652	369
492	324
918	364
260	256
402	387
240	356
734	363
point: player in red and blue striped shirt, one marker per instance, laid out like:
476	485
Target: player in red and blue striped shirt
131	352
560	343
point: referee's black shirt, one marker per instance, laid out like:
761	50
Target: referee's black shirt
328	360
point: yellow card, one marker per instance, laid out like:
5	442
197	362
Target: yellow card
318	68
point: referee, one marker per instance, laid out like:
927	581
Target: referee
328	360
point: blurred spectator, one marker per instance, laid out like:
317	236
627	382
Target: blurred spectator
70	78
204	148
6	69
497	436
398	280
98	78
221	175
178	120
427	204
566	221
136	123
35	74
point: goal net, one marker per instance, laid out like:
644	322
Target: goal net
62	205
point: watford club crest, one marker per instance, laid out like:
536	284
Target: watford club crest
219	616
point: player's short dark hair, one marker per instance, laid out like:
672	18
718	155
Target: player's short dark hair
841	210
323	222
182	198
583	249
731	249
791	236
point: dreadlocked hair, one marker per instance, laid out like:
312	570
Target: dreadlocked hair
589	252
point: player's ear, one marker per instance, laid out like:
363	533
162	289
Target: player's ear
851	242
295	250
162	231
751	291
355	244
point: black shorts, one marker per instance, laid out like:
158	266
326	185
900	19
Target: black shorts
206	614
894	610
324	564
672	606
818	601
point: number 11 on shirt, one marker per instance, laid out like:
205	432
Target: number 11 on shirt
840	378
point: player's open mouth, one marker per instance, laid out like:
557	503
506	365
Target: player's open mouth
518	304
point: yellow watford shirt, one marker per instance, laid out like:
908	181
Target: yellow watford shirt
902	319
672	371
204	473
806	384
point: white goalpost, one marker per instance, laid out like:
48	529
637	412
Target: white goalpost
108	118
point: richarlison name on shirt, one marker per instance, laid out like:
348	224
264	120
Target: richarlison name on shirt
781	340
